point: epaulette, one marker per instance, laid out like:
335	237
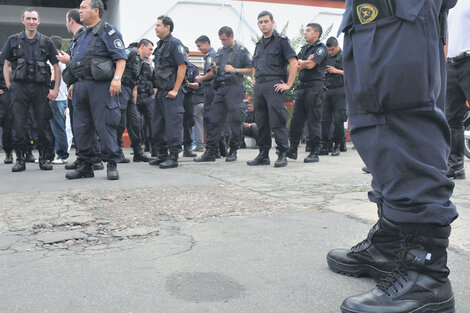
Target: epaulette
109	30
283	36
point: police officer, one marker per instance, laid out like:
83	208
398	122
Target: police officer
5	121
97	65
310	93
272	55
28	81
458	85
130	117
399	129
230	64
334	109
145	89
170	69
204	45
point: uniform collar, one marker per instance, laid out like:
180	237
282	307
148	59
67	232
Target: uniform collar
167	38
211	50
316	43
23	36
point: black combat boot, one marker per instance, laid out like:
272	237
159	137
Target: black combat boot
187	153
171	162
98	166
29	157
324	148
162	155
8	157
281	159
20	162
456	157
261	159
373	257
223	146
313	155
336	150
139	155
123	158
83	170
111	171
73	165
232	155
207	156
419	282
343	147
292	151
45	163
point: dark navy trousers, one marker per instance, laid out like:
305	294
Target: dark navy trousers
271	115
334	111
130	119
167	123
5	121
95	110
227	103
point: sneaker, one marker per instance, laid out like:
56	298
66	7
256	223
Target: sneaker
59	161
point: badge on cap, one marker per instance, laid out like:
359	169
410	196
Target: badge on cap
118	44
367	13
181	49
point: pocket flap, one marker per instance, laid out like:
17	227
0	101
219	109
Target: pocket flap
408	9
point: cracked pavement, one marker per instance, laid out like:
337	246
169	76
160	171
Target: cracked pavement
204	237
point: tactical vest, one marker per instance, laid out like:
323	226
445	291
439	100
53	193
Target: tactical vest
335	80
144	81
31	71
231	77
132	69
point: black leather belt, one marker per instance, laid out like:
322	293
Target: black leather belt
459	58
263	79
310	84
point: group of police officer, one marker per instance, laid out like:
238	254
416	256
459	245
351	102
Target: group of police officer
397	121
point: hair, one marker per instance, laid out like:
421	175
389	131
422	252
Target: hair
203	39
57	42
264	13
97	4
227	30
166	20
332	42
316	27
29	10
144	42
74	15
133	45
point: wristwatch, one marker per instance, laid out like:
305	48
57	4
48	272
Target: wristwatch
117	77
238	70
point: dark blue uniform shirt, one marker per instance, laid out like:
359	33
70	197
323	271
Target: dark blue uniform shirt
320	54
272	56
172	51
73	42
335	80
241	60
109	44
192	71
208	59
31	48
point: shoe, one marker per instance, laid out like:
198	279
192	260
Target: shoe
373	257
171	162
232	155
343	147
335	151
59	161
45	164
198	149
111	171
308	148
83	170
20	162
8	158
365	169
161	157
281	159
207	156
218	155
313	155
187	153
457	154
141	157
323	151
292	153
223	147
123	158
29	158
419	282
456	174
73	165
98	166
261	159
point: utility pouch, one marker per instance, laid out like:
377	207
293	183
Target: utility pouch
19	73
165	78
42	72
102	69
67	76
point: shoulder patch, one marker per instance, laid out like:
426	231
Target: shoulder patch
181	49
118	44
320	51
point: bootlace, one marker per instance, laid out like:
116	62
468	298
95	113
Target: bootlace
360	244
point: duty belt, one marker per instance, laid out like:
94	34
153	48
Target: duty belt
267	78
310	84
459	58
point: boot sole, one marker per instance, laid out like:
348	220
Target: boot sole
355	270
257	164
87	175
447	306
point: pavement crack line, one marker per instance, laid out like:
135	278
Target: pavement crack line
191	240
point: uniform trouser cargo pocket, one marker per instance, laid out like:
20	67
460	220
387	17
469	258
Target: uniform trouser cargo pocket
113	113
